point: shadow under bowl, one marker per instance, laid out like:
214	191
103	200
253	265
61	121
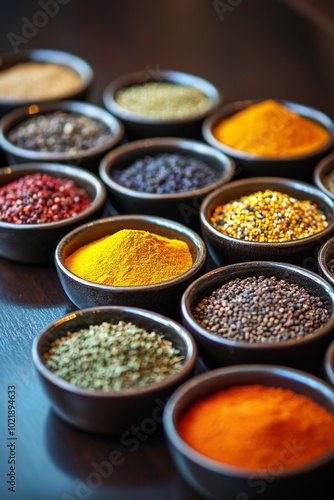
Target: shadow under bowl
214	480
86	158
224	249
112	412
36	243
306	353
299	167
139	126
161	297
182	207
62	58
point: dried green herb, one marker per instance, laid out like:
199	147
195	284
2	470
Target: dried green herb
113	357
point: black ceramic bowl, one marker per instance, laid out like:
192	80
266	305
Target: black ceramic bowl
298	167
182	207
329	364
72	61
162	297
88	158
216	481
226	250
36	243
324	167
141	126
112	412
304	353
325	255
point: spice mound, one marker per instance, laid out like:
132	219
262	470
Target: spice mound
163	100
258	427
38	80
113	357
131	257
60	132
260	309
40	198
268	216
165	174
268	128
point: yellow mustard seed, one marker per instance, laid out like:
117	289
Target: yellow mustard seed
163	100
269	216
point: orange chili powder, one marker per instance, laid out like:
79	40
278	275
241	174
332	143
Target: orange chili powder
268	128
255	426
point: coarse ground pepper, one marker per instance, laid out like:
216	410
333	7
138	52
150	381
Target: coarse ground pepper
131	257
166	173
39	198
60	132
113	357
260	309
38	80
163	100
258	427
268	128
269	216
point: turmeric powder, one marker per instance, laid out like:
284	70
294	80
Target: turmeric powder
268	128
130	257
256	426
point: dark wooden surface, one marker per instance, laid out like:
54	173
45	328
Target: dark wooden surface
257	48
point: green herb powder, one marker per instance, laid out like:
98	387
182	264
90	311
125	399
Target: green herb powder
113	357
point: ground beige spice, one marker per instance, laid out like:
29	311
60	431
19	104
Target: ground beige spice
38	80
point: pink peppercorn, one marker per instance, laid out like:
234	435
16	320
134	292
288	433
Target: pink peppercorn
40	198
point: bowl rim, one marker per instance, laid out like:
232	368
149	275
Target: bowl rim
236	106
219	467
164	75
154	287
186	148
57	170
22	114
329	362
323	259
280	183
133	312
246	268
62	57
321	170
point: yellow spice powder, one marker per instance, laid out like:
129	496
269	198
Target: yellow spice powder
268	128
131	258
